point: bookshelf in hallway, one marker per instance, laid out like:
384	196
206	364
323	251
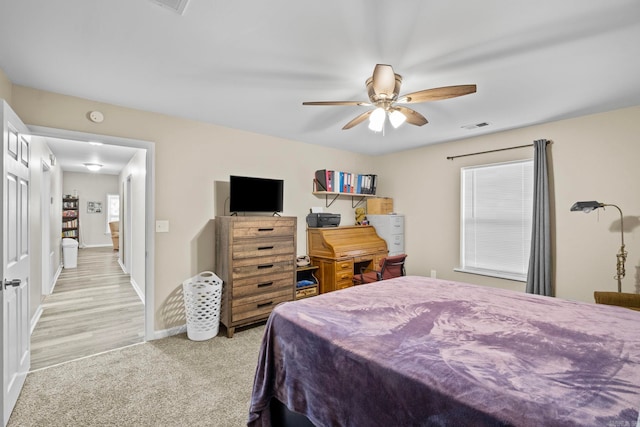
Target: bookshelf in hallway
70	217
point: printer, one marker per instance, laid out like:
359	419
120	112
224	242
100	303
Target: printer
320	220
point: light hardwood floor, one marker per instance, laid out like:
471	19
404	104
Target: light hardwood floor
93	308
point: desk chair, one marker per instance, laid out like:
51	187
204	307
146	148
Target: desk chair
390	267
621	299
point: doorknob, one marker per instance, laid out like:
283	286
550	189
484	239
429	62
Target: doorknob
12	282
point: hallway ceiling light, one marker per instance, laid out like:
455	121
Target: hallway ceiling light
93	167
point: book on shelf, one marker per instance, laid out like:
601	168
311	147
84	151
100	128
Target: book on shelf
70	224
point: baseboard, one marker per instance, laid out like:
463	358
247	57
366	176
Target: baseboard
124	270
55	278
102	245
137	289
35	318
165	333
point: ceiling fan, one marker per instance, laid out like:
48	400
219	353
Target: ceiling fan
383	88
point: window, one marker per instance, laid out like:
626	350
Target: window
496	212
113	209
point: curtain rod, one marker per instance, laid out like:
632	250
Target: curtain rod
491	151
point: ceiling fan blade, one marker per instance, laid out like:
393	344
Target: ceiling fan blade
437	94
361	118
383	80
336	103
413	117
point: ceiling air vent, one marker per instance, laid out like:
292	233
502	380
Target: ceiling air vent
177	6
475	125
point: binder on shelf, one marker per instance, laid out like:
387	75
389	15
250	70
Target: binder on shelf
345	182
321	180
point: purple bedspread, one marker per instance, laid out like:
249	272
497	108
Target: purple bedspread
416	351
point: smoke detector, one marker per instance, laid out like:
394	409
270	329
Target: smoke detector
178	6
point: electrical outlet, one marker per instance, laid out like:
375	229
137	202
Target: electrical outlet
433	274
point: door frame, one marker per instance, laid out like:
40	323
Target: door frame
149	291
127	237
45	231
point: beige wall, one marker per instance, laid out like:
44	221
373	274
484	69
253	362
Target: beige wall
190	158
5	87
592	158
91	187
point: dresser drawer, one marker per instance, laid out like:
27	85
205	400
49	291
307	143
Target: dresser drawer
259	305
262	284
267	227
258	247
344	276
263	266
341	284
342	266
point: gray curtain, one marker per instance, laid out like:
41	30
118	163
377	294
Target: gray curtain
539	276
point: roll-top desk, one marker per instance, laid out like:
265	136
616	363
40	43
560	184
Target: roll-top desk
255	258
340	251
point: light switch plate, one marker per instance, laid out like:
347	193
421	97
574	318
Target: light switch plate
162	226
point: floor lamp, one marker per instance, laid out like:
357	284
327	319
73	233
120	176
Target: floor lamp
621	256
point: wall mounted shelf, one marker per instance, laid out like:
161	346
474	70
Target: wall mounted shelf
330	197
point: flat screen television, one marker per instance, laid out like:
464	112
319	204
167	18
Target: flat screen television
247	194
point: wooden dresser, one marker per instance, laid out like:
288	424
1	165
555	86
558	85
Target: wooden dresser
340	251
255	258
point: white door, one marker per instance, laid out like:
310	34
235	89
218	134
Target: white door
14	292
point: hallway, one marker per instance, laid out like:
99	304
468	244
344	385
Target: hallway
93	308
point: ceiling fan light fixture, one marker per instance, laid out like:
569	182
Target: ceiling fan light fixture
376	119
383	89
396	118
93	167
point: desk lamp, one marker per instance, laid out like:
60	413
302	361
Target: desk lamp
621	256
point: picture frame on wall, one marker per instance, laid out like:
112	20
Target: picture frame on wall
94	207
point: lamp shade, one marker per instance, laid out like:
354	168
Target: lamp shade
376	119
396	118
586	207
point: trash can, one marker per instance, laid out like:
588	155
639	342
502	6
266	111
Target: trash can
202	295
70	252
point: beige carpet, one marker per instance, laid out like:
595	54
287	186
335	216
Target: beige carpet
168	382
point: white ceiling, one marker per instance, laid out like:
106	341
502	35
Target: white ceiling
72	155
249	64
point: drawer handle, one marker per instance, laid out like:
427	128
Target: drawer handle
262	248
264	304
265	229
262	285
265	266
344	266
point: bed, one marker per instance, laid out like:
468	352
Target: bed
416	351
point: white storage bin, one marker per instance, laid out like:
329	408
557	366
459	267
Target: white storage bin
202	295
70	252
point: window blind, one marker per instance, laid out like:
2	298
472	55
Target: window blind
497	206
